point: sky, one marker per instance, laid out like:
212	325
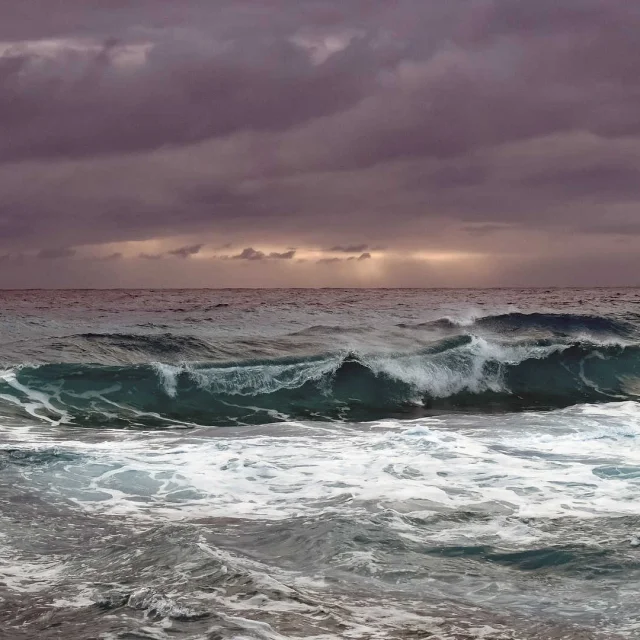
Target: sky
346	143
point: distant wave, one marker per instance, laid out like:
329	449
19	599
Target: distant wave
159	344
324	330
138	348
152	344
461	372
558	323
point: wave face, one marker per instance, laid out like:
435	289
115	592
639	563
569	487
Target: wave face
462	372
561	324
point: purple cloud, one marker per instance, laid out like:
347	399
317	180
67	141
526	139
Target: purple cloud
186	252
252	254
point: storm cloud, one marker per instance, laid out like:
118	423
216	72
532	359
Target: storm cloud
508	130
253	254
186	252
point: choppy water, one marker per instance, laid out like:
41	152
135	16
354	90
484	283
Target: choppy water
320	464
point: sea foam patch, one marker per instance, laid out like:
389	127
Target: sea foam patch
576	463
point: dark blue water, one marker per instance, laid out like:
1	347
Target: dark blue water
320	463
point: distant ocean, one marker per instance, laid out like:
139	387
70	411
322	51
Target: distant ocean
365	464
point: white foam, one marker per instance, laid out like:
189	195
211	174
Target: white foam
23	576
463	368
168	375
35	400
246	380
518	468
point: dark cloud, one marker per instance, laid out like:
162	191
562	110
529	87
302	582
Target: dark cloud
249	254
496	75
329	260
56	254
180	252
286	255
186	252
252	254
360	258
96	101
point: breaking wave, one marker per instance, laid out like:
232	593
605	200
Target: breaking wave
463	372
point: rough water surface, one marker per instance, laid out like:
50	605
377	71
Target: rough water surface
323	464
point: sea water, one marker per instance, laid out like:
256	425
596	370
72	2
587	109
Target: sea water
320	464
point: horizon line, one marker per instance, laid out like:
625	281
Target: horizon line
378	288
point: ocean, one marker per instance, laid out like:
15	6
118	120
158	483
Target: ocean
361	464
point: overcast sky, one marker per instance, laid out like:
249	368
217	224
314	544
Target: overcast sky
319	143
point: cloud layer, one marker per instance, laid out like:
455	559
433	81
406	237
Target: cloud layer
503	128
